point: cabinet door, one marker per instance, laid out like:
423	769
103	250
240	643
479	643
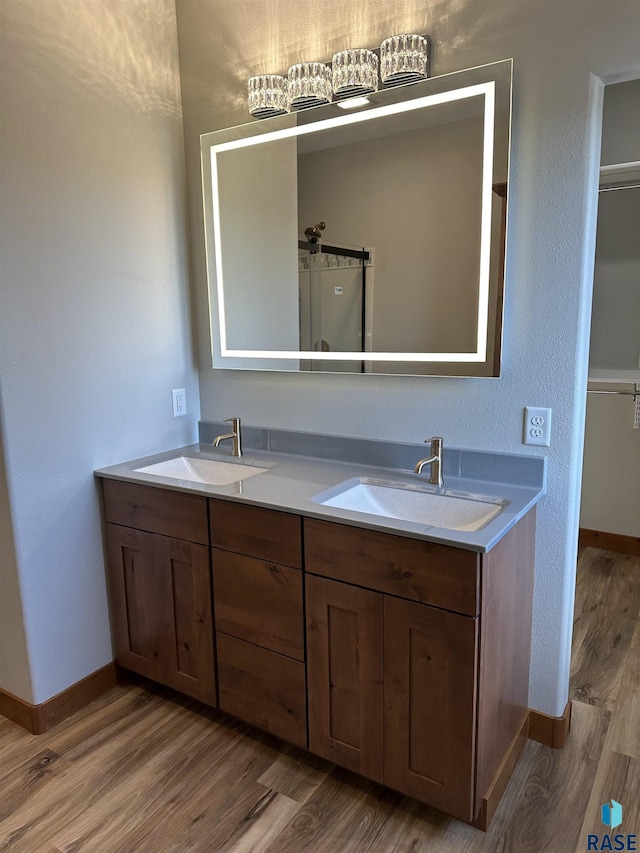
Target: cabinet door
161	609
135	599
344	675
430	701
186	660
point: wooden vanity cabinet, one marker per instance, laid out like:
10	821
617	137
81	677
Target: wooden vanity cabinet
158	568
402	660
259	616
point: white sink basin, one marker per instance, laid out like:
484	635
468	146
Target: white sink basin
202	470
432	507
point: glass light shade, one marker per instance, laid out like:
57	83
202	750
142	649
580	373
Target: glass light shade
403	59
355	72
268	95
310	85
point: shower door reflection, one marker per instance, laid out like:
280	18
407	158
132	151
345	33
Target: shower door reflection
335	301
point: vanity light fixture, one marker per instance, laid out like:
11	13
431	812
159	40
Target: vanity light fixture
310	84
403	59
268	95
355	72
353	103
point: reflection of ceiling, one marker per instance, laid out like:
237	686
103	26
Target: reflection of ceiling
436	114
419	119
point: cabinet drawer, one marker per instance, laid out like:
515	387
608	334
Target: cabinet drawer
259	601
408	568
175	514
263	533
263	688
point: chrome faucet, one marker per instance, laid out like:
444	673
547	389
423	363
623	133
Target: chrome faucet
435	460
236	450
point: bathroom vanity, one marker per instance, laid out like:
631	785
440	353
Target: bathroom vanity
362	639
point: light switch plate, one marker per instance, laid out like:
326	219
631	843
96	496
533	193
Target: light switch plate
537	426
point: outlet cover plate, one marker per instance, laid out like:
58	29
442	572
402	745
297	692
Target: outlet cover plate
537	426
179	397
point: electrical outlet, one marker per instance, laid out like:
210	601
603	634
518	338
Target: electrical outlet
537	426
179	396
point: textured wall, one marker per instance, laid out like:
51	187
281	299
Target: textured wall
95	326
560	50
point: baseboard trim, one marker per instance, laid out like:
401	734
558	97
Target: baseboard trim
16	710
551	731
39	719
492	798
610	541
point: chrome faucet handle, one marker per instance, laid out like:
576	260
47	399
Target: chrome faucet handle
234	421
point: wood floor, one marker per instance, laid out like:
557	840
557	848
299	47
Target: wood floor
147	772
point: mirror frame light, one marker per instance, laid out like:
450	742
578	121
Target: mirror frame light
298	124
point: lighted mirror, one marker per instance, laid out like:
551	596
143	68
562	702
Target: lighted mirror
366	240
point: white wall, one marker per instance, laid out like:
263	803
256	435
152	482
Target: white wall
611	476
95	324
560	51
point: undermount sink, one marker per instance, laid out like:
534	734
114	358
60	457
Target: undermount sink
209	471
444	508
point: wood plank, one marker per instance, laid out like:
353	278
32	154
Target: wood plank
295	773
607	584
413	827
263	688
266	828
408	568
345	675
430	681
610	541
549	814
346	813
505	648
618	778
177	760
170	513
624	731
198	818
263	533
271	615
